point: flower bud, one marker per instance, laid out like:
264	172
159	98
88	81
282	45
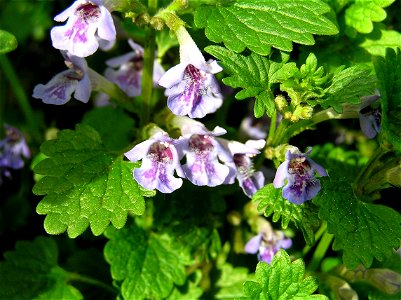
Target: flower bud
281	102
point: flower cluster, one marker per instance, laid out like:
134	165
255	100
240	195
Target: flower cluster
209	160
267	243
12	148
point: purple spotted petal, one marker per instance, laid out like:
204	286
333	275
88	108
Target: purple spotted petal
85	19
159	161
266	255
300	190
252	184
203	167
285	243
152	175
281	174
252	247
370	124
58	90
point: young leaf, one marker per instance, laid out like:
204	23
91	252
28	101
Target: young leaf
361	14
363	231
84	185
380	39
388	70
147	264
282	279
348	85
270	201
254	74
8	42
262	24
31	271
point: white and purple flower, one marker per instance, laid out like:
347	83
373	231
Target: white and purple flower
159	161
267	243
370	118
75	80
249	180
128	76
12	148
89	22
299	170
191	87
202	152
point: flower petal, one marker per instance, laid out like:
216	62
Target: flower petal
281	174
252	246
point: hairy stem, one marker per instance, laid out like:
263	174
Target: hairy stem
147	75
91	281
20	95
320	251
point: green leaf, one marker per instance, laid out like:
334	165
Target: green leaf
147	264
190	290
113	125
361	14
31	272
281	280
388	71
348	85
85	185
262	24
363	231
380	39
230	282
254	74
270	201
8	42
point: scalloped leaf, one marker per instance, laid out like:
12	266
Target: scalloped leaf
270	201
262	24
254	74
282	280
146	264
361	14
363	231
31	272
85	185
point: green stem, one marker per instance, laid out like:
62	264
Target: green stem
272	128
320	251
148	61
91	281
318	235
364	174
20	95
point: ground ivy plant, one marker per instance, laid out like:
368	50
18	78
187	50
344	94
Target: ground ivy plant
193	149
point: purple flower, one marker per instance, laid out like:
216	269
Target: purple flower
159	160
75	80
267	243
370	118
191	87
12	148
128	76
202	152
88	22
299	170
249	180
